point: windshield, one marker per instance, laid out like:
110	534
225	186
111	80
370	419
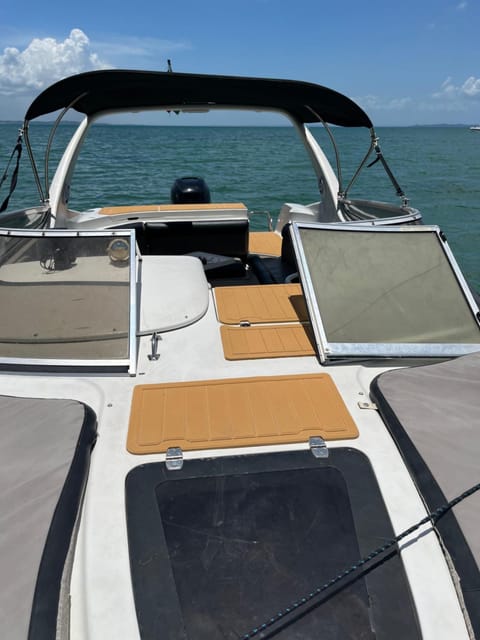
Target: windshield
379	292
65	297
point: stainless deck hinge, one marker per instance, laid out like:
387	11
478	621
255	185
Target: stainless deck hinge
174	458
318	447
367	405
154	355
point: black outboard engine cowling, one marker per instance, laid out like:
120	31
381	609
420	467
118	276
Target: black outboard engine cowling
190	189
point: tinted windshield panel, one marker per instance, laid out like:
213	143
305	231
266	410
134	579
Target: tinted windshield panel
65	297
385	287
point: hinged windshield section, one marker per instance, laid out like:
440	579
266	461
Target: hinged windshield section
380	292
67	298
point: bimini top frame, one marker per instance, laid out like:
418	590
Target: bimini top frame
99	92
123	90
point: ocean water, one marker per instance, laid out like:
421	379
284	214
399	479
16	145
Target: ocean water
437	167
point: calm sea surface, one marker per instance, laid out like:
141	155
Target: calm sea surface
437	167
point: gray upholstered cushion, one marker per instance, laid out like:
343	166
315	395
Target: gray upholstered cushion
38	439
438	406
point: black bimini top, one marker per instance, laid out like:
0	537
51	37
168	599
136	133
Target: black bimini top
116	90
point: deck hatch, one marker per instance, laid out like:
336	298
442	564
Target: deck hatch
237	412
266	321
221	545
260	303
267	341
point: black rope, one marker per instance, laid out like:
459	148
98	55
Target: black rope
432	517
13	181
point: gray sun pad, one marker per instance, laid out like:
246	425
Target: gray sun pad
433	413
39	441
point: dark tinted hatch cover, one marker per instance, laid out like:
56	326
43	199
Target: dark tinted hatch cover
223	545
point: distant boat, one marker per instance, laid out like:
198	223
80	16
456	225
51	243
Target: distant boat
475	128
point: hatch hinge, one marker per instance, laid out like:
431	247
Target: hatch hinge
318	447
174	459
367	405
154	355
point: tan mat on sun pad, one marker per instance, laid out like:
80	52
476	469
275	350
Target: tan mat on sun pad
267	243
260	304
161	208
239	412
266	341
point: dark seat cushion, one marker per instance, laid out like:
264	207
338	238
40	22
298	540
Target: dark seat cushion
225	237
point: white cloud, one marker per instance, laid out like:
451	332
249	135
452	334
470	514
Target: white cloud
126	47
374	102
36	62
44	61
447	89
471	86
469	89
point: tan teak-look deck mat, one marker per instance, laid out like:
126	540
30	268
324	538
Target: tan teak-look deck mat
267	341
160	208
267	243
257	304
238	412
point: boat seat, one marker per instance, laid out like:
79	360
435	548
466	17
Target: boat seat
45	450
225	237
287	251
277	262
433	413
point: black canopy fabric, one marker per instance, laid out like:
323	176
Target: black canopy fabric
116	89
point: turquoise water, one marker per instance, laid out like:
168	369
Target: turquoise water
438	168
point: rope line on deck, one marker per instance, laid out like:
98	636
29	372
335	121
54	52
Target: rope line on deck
432	517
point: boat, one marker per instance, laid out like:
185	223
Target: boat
475	128
214	431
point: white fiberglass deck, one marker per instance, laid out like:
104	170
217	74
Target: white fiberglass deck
188	359
102	601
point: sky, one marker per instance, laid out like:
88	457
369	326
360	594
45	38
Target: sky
405	63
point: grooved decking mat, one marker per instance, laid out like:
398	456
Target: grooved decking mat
238	412
267	243
160	208
261	304
266	341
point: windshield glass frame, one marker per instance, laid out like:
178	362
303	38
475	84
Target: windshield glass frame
126	253
329	349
